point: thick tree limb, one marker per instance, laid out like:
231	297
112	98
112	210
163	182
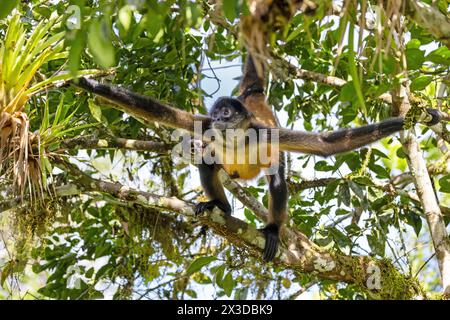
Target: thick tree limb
425	191
297	252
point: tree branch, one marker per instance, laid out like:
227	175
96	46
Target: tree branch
297	252
92	142
331	81
431	19
425	191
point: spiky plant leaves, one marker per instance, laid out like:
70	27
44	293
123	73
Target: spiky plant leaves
22	54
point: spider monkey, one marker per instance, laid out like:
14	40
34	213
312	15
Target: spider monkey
250	111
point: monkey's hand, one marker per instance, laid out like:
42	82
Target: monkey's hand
436	117
271	233
209	205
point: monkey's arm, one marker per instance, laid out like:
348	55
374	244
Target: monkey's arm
329	143
323	144
142	106
213	189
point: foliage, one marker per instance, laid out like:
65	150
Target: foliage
92	245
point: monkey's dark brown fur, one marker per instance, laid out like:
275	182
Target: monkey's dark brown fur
250	111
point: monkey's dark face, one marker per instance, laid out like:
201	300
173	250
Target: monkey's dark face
229	113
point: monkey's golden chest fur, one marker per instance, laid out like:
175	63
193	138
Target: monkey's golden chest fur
246	160
244	163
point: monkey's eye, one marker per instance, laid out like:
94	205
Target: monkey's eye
226	112
215	114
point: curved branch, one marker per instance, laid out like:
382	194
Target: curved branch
297	252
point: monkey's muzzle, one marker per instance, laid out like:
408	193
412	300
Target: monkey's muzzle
221	126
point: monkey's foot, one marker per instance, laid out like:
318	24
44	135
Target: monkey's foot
209	205
271	233
436	117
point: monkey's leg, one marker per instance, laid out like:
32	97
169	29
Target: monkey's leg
213	189
278	198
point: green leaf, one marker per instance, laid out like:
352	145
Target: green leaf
377	152
95	295
102	271
294	34
230	8
6	271
379	170
357	189
344	194
100	44
365	181
340	238
414	58
322	165
125	17
6	7
153	22
228	284
96	111
376	244
348	92
331	187
414	220
90	273
444	183
400	153
413	43
103	250
353	71
199	263
353	160
241	293
348	113
75	51
218	275
191	293
420	83
250	216
44	11
440	56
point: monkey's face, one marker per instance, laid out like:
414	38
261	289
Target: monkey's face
229	113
